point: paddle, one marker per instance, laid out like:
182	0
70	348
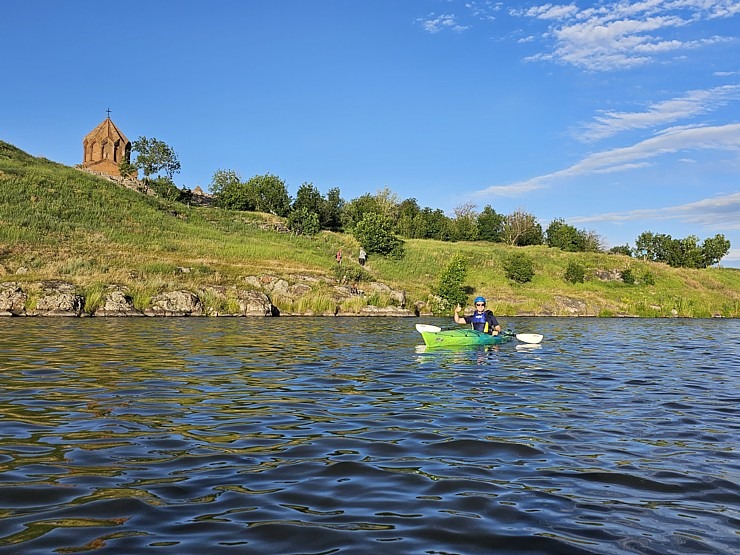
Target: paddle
532	338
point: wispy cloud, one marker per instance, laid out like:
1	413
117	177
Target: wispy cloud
619	35
434	23
677	139
720	213
609	123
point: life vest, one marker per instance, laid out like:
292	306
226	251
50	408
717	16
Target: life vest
480	321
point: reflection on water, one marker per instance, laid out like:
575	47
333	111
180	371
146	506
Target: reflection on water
311	435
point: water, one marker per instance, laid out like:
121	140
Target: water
344	435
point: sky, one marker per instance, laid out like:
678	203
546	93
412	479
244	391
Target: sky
616	117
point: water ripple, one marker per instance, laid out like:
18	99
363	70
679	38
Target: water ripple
311	435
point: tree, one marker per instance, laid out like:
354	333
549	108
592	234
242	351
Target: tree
270	194
374	233
714	249
564	237
126	168
230	192
154	156
304	222
522	229
310	198
491	225
333	210
355	210
465	222
621	249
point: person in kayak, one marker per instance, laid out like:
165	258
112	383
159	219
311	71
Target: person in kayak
481	320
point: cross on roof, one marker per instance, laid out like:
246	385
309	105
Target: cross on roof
108	110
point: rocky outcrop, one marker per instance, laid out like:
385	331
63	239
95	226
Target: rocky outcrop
175	303
118	302
59	298
12	299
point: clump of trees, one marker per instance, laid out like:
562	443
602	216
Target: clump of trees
381	221
683	253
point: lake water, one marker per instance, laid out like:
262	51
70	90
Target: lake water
345	435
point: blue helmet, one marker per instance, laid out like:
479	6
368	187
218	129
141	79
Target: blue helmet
480	300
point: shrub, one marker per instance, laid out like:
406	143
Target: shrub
627	276
351	274
575	273
304	222
450	284
519	267
375	233
648	278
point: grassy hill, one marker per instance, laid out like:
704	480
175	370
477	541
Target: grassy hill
58	222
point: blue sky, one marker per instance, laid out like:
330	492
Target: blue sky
619	117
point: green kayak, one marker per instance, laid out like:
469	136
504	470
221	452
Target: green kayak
449	338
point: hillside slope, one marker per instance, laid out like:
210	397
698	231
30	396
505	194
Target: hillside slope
60	223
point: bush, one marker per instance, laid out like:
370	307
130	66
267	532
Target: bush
351	274
575	273
374	232
627	276
303	222
648	278
519	267
450	284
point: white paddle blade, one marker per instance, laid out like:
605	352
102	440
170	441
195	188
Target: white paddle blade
529	337
421	328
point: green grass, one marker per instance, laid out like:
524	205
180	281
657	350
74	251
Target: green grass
58	222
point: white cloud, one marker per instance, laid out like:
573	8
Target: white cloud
435	23
718	213
620	35
677	139
693	103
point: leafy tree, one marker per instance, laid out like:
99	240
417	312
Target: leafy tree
332	217
387	202
230	192
154	156
126	168
465	222
450	284
714	249
310	198
621	249
652	246
433	224
166	189
304	222
491	225
522	229
408	212
375	233
519	267
270	194
575	272
685	253
355	210
564	237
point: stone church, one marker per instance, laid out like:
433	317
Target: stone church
104	148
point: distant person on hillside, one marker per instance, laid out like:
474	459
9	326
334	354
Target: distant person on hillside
363	256
481	320
339	257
